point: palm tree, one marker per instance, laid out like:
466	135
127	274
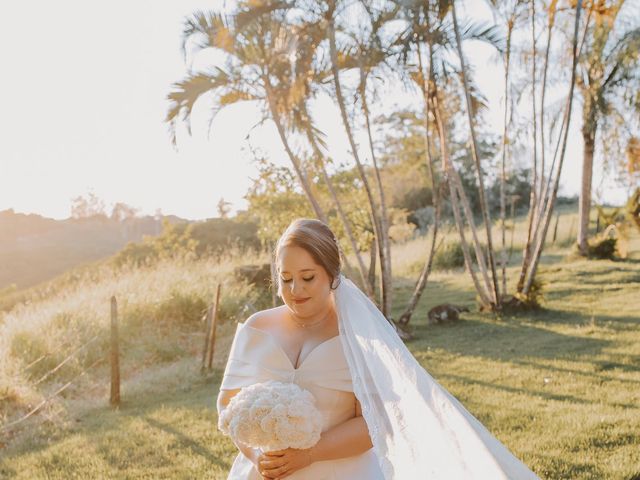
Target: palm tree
369	55
257	55
311	74
304	77
607	73
538	199
474	152
512	12
545	220
431	24
413	42
435	188
330	13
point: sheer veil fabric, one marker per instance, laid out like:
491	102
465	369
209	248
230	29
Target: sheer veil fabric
418	429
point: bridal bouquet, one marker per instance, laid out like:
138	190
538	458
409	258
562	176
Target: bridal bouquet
272	416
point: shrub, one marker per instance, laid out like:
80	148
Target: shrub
28	347
531	301
449	256
241	299
602	248
166	351
184	308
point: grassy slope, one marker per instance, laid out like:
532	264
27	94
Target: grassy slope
560	387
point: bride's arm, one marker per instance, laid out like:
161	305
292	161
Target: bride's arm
344	440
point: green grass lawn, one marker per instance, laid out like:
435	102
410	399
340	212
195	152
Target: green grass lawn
559	387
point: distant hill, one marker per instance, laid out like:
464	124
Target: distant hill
34	248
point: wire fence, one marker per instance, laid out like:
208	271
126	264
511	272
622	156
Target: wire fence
113	358
65	361
50	372
7	426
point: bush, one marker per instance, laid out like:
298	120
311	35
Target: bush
240	299
603	248
531	301
181	308
449	256
28	347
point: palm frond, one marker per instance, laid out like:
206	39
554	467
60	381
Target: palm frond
186	93
479	101
230	97
492	35
623	57
213	30
253	10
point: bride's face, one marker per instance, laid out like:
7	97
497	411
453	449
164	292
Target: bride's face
305	286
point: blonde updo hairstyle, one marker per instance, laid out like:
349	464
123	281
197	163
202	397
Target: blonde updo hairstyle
317	239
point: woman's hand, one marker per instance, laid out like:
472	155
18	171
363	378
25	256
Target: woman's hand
279	464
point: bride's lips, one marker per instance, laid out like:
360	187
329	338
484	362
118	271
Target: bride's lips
302	300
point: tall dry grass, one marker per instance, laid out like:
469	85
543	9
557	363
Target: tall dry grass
160	307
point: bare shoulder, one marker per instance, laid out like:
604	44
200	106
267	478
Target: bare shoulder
266	319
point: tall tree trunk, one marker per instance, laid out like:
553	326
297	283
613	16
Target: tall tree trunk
503	163
455	188
294	161
384	223
474	151
588	138
534	78
533	196
542	194
544	183
343	217
531	274
426	269
373	253
386	280
453	180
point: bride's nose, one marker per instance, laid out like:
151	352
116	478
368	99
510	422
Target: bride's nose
296	287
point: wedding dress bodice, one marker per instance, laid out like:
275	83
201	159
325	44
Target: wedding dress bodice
256	356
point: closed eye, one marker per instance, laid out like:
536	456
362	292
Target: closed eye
305	279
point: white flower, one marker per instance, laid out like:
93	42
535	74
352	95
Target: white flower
272	416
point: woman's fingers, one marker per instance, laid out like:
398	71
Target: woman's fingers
275	453
277	472
271	464
274	464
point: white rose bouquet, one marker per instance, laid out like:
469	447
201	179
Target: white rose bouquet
272	416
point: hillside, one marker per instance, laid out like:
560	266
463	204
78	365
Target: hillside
558	386
34	249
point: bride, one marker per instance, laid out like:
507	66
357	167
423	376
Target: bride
384	416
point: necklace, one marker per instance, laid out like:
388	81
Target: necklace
309	325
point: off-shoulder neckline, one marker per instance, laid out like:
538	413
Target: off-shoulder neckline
277	344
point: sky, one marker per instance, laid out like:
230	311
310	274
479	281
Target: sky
83	92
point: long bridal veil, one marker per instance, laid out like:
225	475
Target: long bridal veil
418	429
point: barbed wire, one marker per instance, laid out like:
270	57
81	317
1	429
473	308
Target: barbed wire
65	361
56	368
34	410
42	357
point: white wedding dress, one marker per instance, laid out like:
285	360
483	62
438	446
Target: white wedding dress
418	429
256	356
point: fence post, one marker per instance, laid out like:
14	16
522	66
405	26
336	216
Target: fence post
207	335
214	318
115	356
